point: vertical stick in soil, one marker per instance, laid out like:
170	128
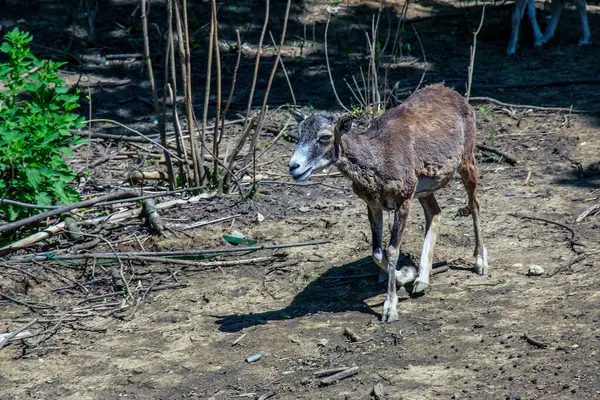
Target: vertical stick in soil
186	72
215	154
157	111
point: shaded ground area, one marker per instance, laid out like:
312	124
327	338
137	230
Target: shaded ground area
461	340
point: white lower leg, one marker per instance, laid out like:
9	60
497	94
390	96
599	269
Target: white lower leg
422	281
390	307
481	266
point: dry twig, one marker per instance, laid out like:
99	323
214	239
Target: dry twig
509	159
573	239
533	341
64	209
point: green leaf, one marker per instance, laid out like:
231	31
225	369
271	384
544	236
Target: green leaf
43	199
34	177
6	47
67	151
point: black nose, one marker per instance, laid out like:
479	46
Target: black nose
293	166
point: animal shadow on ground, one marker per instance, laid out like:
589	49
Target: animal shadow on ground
339	289
581	176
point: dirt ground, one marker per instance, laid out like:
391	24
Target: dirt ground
463	339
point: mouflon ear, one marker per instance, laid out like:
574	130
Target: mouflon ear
298	116
343	125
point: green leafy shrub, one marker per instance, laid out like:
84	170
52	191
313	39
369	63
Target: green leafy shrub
35	121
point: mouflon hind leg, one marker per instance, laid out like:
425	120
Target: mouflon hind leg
432	226
390	306
468	173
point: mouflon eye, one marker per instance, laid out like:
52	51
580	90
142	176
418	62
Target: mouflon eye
325	139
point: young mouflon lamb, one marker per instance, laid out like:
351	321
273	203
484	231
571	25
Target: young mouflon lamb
409	152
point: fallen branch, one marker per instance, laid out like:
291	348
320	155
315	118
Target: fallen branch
103	84
328	372
509	159
29	274
339	376
538	108
113	218
146	138
350	334
189	253
64	209
32	307
567	266
592	210
27	205
183	227
124	56
152	217
573	239
533	341
204	265
5	339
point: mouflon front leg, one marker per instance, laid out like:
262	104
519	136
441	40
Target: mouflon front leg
432	227
557	8
537	33
517	14
405	274
583	20
390	306
376	222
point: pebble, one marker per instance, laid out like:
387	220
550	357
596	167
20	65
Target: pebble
260	217
535	270
254	357
304	209
322	342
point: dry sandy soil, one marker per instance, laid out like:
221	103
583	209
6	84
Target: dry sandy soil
463	339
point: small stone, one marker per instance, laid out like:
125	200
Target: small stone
211	208
455	396
322	342
339	206
304	209
253	358
260	217
378	392
517	265
238	234
535	270
575	346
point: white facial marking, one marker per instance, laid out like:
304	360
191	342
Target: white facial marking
300	157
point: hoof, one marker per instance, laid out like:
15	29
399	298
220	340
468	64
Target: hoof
482	270
584	42
407	274
390	311
481	265
420	287
389	318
